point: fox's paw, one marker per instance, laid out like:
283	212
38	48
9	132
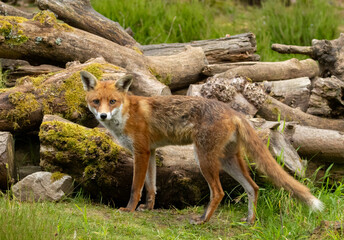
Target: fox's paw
144	207
197	220
122	209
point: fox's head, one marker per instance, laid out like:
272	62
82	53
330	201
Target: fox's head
105	99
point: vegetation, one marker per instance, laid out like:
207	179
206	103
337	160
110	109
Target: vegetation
161	21
279	217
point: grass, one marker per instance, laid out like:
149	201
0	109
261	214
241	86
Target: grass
278	217
161	21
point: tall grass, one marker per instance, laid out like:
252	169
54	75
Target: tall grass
166	21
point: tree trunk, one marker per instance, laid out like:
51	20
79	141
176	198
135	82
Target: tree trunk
80	14
271	71
50	41
104	169
229	49
22	107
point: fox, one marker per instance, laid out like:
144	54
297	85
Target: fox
218	133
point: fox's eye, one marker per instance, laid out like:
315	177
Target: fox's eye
112	101
96	101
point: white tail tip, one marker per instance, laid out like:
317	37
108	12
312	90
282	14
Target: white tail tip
317	205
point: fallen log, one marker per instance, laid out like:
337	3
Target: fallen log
272	71
273	110
104	169
327	98
327	52
229	49
319	145
293	92
8	10
7	164
22	107
80	14
48	41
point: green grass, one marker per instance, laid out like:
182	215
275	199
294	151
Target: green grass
278	217
166	21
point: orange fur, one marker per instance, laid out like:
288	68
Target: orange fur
143	124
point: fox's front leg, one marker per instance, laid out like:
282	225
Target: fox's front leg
141	160
150	183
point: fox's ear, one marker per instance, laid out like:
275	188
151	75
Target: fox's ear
124	83
88	80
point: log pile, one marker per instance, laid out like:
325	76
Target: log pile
293	104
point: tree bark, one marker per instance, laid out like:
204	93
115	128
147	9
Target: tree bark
22	107
80	14
7	164
293	92
229	49
321	145
8	10
327	99
272	71
273	110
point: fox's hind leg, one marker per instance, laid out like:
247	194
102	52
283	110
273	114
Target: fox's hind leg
235	166
150	184
209	165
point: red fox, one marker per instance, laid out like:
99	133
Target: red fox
142	124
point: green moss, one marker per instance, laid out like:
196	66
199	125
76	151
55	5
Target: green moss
12	31
163	79
136	49
24	105
49	18
92	149
57	176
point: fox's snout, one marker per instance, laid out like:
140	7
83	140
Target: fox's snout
103	116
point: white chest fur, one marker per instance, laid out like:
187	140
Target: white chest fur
116	125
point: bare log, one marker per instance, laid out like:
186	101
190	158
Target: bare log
327	52
7	164
229	49
212	69
272	71
8	10
327	99
321	145
290	49
293	92
22	107
80	14
273	110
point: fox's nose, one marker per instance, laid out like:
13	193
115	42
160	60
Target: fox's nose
103	116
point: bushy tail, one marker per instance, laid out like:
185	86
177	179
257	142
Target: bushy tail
268	165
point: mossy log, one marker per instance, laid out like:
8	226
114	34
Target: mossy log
104	169
44	40
22	107
241	47
80	14
267	71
